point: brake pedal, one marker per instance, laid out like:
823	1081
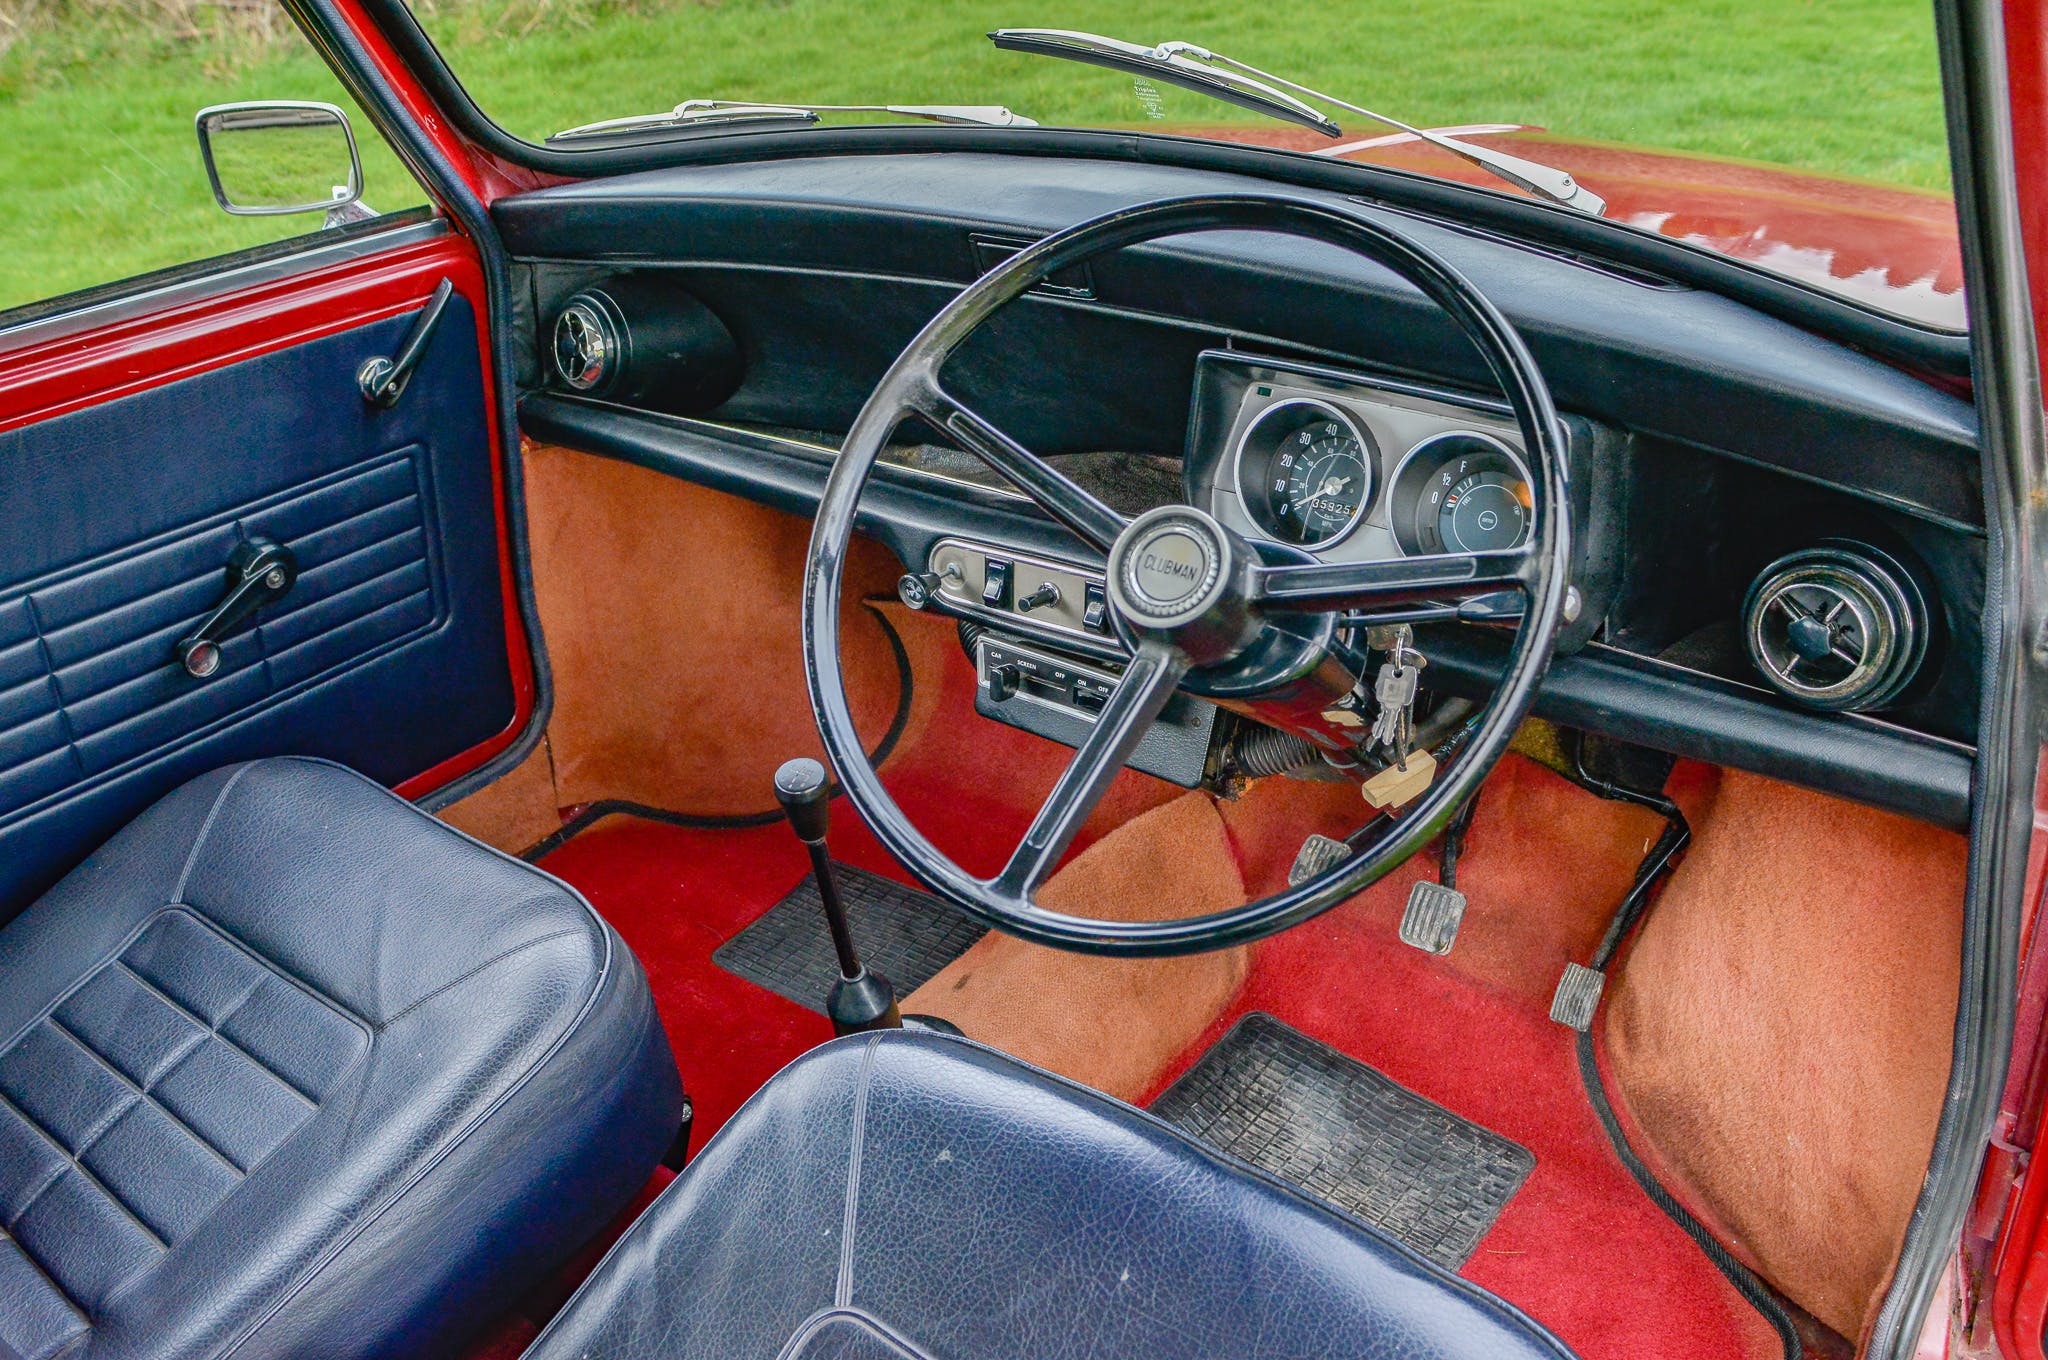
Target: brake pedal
1578	996
1317	854
1433	916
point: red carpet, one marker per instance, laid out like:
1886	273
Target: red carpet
1579	1247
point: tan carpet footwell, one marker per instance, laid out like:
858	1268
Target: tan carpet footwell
1114	1024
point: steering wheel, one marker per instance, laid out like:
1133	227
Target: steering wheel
1198	607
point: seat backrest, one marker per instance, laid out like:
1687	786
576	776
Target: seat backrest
288	1067
909	1194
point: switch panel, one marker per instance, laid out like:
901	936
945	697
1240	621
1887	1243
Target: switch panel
1059	696
1033	595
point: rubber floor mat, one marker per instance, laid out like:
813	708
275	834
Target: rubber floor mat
1331	1126
901	933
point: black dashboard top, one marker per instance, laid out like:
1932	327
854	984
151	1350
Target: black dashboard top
1683	365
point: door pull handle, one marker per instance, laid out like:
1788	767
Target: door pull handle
260	571
383	380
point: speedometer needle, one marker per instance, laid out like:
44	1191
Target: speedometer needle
1334	485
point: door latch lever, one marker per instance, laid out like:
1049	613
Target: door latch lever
383	380
260	570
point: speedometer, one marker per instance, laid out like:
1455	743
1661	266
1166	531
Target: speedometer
1305	472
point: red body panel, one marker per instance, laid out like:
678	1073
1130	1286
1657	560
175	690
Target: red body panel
2020	1291
1890	248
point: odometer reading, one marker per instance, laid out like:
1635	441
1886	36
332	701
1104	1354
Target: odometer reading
1305	472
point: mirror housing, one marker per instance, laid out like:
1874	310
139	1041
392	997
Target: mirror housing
270	157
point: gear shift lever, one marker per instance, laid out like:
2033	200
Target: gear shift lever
859	1000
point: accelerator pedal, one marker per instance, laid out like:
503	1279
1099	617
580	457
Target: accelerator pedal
1432	918
1317	854
1578	996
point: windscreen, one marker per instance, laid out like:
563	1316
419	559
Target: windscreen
1804	137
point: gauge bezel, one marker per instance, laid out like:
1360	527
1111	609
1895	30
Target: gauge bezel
1394	506
1256	508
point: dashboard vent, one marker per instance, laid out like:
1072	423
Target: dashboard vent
991	250
1840	626
587	344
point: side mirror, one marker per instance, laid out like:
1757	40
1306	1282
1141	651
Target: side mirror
281	156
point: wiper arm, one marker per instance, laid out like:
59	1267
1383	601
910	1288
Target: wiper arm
1184	71
1205	72
714	112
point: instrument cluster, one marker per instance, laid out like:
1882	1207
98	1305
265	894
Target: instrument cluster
1352	467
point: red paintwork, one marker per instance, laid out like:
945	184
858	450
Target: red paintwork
2020	1289
488	176
39	381
485	175
1891	248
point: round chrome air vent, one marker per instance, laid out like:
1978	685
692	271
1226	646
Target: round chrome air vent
588	348
1839	626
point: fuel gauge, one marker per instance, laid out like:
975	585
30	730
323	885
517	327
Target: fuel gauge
1461	492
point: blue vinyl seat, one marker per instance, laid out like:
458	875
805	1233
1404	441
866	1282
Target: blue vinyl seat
907	1196
288	1068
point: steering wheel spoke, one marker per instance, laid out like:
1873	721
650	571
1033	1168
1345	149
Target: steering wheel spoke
1362	587
1148	682
1065	499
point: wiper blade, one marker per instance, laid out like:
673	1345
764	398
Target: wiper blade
1190	74
1205	72
717	112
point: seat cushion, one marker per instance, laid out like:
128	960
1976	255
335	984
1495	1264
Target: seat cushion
289	1068
911	1195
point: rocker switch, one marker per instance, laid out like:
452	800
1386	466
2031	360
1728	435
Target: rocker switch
995	585
1094	610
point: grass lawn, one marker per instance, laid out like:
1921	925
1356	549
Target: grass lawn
100	175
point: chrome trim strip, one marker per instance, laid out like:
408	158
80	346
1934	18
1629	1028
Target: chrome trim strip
776	443
1356	378
1743	689
133	305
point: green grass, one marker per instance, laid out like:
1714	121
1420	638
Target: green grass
100	177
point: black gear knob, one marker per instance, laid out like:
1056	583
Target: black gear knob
804	791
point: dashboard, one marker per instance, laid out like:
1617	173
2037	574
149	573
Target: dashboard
1778	546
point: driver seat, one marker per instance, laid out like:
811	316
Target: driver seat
907	1196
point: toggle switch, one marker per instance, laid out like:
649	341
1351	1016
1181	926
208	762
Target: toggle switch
995	585
1094	609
